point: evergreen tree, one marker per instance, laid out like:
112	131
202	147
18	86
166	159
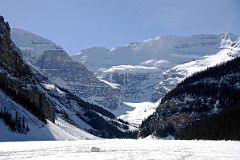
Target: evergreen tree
16	124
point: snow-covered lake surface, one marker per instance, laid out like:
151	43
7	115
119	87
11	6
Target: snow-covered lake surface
120	149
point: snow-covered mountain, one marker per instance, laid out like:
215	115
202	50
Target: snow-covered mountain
203	106
168	49
58	66
34	108
229	49
138	67
137	72
192	92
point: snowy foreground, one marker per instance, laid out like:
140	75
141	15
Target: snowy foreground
120	149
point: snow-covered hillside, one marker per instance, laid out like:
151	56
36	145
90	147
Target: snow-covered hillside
120	149
203	106
38	130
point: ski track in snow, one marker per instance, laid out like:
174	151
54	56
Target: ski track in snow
120	149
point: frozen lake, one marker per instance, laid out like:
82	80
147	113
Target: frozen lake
120	149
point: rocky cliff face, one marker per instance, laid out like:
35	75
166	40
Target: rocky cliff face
75	77
58	66
136	82
17	78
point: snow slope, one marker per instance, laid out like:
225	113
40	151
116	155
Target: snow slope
229	50
120	149
226	54
135	113
61	130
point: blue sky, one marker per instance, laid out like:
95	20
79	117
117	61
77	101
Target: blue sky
78	24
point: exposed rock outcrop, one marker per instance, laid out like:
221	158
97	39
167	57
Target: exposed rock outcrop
17	78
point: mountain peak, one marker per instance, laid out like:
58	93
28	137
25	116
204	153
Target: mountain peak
61	69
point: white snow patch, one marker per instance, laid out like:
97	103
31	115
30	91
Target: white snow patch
112	49
189	68
154	63
113	85
135	113
51	86
74	131
215	109
131	69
